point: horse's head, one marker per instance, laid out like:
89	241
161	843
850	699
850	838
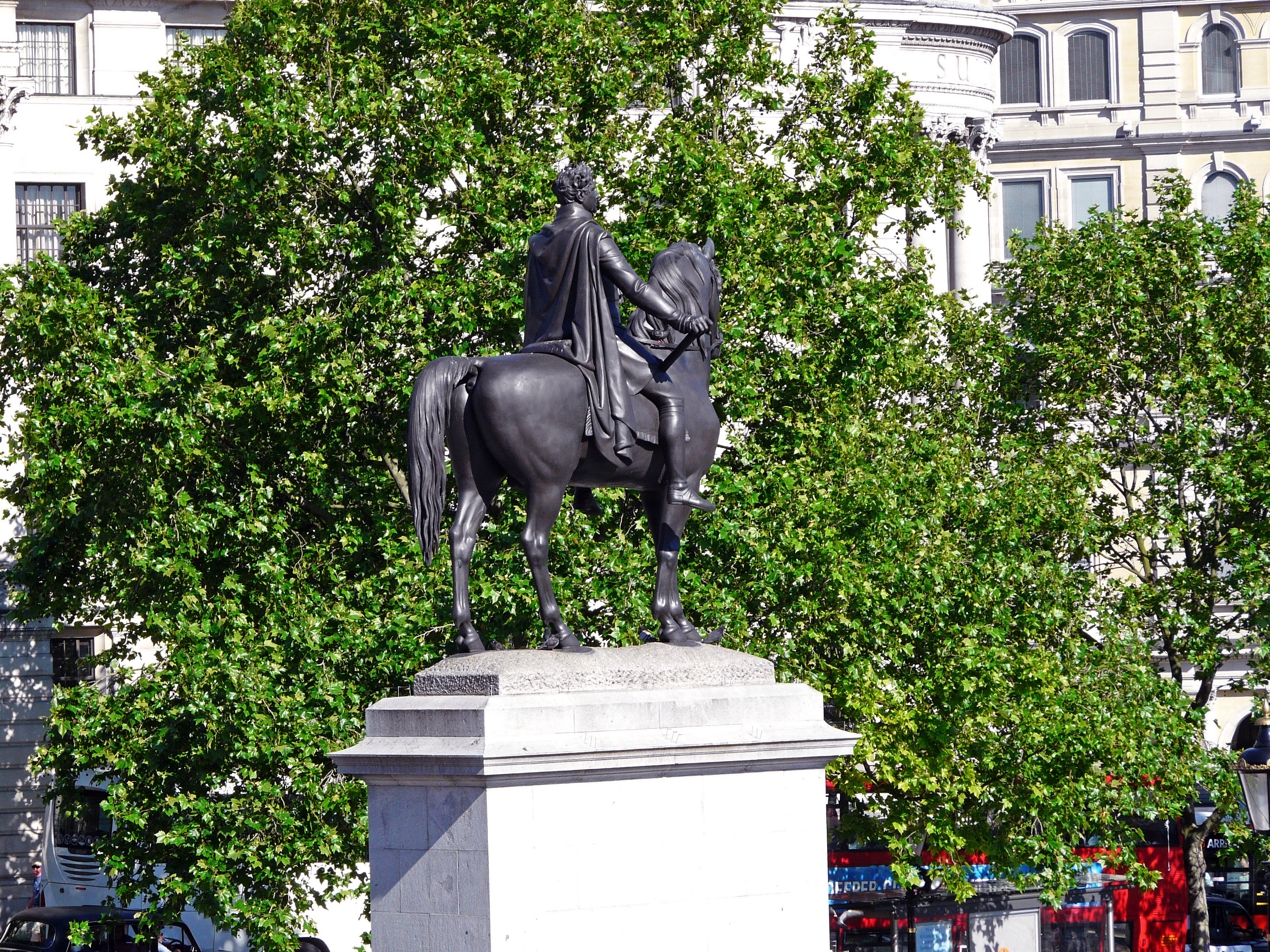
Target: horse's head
686	273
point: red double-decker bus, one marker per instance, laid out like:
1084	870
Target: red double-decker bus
868	912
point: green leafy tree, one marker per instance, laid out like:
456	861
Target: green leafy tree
1145	347
921	564
994	726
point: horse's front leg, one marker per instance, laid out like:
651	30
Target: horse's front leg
667	524
543	507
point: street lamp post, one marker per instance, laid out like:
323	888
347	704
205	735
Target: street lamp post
1254	774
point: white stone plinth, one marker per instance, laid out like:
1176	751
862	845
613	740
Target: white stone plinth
651	818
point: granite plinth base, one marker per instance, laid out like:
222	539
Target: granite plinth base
647	818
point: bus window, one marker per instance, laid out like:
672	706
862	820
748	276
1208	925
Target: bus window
864	941
1075	937
79	821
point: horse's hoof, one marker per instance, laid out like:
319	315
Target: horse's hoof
470	645
562	641
681	636
714	637
645	636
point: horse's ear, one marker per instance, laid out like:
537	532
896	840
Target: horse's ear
708	248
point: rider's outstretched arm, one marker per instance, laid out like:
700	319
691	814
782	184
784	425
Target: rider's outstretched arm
615	267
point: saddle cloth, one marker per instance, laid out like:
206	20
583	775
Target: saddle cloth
638	371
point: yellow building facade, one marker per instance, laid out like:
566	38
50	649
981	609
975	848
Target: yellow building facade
1096	100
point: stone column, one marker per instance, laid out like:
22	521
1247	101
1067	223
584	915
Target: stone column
644	798
970	252
935	240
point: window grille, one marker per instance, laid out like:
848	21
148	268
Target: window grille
1096	193
47	55
1088	68
1023	205
38	208
1217	195
1021	70
193	35
1220	58
72	660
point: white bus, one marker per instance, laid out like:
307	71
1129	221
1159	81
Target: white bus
74	877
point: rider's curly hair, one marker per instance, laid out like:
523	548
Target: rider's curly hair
572	182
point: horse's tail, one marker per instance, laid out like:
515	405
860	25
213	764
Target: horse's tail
429	420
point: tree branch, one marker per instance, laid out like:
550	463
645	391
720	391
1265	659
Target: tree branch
398	477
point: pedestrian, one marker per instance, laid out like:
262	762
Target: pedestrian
37	887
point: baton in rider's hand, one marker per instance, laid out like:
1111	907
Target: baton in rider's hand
688	340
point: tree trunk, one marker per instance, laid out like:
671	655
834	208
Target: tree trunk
1193	838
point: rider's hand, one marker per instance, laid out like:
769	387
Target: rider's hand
697	324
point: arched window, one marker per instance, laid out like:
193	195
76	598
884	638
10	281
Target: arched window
1220	58
1021	70
1217	195
1088	66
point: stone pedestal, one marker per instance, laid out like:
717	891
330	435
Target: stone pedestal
651	798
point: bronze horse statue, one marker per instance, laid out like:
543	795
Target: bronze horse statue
523	418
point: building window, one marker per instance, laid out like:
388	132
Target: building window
193	35
47	56
1217	195
1092	196
1022	206
1021	70
1088	66
39	207
72	661
1220	58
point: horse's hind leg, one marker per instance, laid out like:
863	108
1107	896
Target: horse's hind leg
478	478
667	525
468	517
542	509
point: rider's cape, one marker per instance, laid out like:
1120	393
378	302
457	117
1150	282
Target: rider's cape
568	313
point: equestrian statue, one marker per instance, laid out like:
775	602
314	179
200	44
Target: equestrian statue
587	402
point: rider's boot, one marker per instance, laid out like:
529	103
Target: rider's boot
675	449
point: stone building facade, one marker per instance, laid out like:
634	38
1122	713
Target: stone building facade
26	688
1098	98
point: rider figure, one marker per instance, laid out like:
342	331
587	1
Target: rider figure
575	271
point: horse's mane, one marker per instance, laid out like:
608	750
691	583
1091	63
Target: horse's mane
686	274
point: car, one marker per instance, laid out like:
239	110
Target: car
48	929
1231	927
